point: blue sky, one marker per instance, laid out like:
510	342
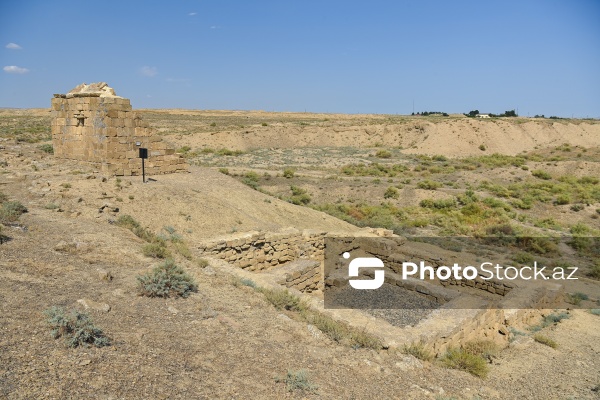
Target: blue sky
542	57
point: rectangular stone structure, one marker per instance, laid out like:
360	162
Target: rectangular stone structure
92	124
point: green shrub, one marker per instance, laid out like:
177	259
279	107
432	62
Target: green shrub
523	258
391	193
577	207
11	211
288	173
128	222
383	154
541	174
482	147
595	271
282	299
462	360
545	340
595	311
429	185
299	196
165	280
155	250
224	171
46	148
297	380
419	351
77	328
228	152
483	348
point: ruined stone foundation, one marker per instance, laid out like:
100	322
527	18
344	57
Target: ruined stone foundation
92	124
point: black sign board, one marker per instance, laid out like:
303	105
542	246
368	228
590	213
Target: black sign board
143	152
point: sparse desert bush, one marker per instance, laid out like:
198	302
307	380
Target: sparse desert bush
155	250
545	340
419	351
297	380
440	204
483	348
76	328
482	147
128	222
202	262
429	185
166	280
383	154
523	258
46	148
541	174
576	298
299	196
373	169
224	171
577	207
463	360
595	271
282	299
288	173
228	152
391	193
11	211
595	311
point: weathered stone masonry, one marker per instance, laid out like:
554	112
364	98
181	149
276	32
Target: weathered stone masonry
92	124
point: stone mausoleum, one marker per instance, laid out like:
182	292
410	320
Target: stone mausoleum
91	123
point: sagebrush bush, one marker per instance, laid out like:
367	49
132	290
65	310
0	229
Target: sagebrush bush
288	173
77	328
166	280
383	154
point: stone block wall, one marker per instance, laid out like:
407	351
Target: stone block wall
259	251
92	124
302	275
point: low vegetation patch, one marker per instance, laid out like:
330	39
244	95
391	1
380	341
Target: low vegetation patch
297	380
419	351
463	360
75	327
11	211
545	340
166	280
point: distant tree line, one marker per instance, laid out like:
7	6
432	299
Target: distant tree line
542	116
426	113
510	113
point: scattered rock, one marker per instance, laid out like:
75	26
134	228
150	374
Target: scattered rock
94	305
208	271
314	331
408	363
173	310
85	362
105	275
65	247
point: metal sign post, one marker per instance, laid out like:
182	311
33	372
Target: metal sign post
143	156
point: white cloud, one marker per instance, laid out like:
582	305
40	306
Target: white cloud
13	46
13	69
148	71
192	14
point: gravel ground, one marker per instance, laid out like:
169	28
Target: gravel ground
396	305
